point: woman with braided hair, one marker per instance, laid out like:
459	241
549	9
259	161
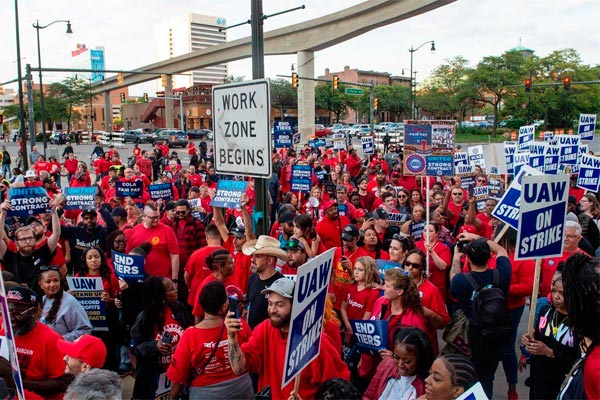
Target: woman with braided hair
581	281
450	376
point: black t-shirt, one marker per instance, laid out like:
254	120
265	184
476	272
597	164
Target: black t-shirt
258	312
26	268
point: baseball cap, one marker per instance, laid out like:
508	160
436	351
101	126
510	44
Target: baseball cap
395	174
237	231
282	286
87	348
380	213
330	203
21	295
119	212
350	232
359	213
167	174
293	244
88	210
32	220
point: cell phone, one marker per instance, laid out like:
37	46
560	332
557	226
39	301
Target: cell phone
234	306
471	190
166	338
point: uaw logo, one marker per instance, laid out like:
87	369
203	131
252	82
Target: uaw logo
415	163
155	240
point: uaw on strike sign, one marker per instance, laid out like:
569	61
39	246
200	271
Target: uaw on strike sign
242	128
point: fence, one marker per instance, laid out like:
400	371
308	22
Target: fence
116	139
395	138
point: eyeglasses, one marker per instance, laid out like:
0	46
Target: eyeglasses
45	268
403	196
412	265
481	180
457	194
180	212
26	239
151	217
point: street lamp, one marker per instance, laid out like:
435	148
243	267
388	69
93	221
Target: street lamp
20	81
413	82
69	35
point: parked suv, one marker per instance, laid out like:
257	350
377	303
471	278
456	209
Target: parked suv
136	137
174	137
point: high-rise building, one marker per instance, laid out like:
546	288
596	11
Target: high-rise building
85	58
184	34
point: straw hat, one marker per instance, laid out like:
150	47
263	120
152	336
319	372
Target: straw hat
265	245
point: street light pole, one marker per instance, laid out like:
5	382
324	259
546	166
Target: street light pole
413	82
69	34
21	102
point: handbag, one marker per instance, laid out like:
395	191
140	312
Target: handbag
456	335
195	372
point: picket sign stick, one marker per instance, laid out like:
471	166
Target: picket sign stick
501	233
534	295
426	224
297	385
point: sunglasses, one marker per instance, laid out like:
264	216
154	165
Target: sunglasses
403	196
45	268
412	265
399	237
457	194
481	180
150	217
180	212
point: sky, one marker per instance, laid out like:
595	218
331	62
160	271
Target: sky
470	28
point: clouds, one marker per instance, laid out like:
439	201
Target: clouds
472	28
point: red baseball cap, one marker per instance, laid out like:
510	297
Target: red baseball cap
329	203
87	348
467	228
359	213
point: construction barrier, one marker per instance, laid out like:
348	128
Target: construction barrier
395	138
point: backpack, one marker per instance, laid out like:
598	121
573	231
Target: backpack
489	314
6	158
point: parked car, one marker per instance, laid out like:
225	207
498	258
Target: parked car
396	127
483	124
174	137
322	131
136	137
200	133
467	124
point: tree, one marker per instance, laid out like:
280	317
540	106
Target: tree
63	97
394	99
283	95
490	81
443	94
334	101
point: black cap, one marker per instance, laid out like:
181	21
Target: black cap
293	244
32	220
350	232
21	295
89	210
237	231
380	213
119	212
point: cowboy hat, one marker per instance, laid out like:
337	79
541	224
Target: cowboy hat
265	245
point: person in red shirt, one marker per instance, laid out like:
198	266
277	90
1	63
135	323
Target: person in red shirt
40	361
453	203
145	164
482	221
377	184
41	165
440	257
329	228
163	260
193	177
361	294
344	259
70	165
353	163
264	353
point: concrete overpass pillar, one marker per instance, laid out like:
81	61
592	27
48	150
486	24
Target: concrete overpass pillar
306	95
169	121
108	115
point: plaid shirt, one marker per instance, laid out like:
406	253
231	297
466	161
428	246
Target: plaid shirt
190	236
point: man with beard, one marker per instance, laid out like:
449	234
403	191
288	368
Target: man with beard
265	352
297	257
163	260
40	360
41	237
23	260
377	185
286	224
264	251
88	234
85	353
344	258
366	198
329	228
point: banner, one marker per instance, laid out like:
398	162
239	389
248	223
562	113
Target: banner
510	148
526	137
301	178
439	165
476	156
371	335
128	267
481	194
537	157
507	209
384	265
520	159
368	145
228	193
162	191
10	339
460	158
129	189
495	187
397	219
283	133
424	139
569	148
79	197
416	230
87	290
589	173
542	218
552	159
587	126
308	306
467	175
475	392
28	201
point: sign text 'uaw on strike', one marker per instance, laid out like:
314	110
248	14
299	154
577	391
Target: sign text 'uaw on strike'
242	125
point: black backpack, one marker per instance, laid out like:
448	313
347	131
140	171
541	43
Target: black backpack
489	314
6	158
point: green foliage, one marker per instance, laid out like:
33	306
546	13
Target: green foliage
334	101
283	95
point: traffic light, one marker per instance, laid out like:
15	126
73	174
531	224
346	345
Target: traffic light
528	85
163	77
120	79
335	82
567	82
145	97
122	97
295	80
375	103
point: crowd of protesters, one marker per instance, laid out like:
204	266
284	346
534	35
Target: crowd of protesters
211	319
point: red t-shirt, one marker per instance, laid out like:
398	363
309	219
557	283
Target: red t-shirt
341	278
195	347
197	270
330	231
265	354
145	165
71	165
486	229
39	357
407	318
591	372
176	330
438	277
383	255
360	301
456	211
198	310
432	299
164	243
241	265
